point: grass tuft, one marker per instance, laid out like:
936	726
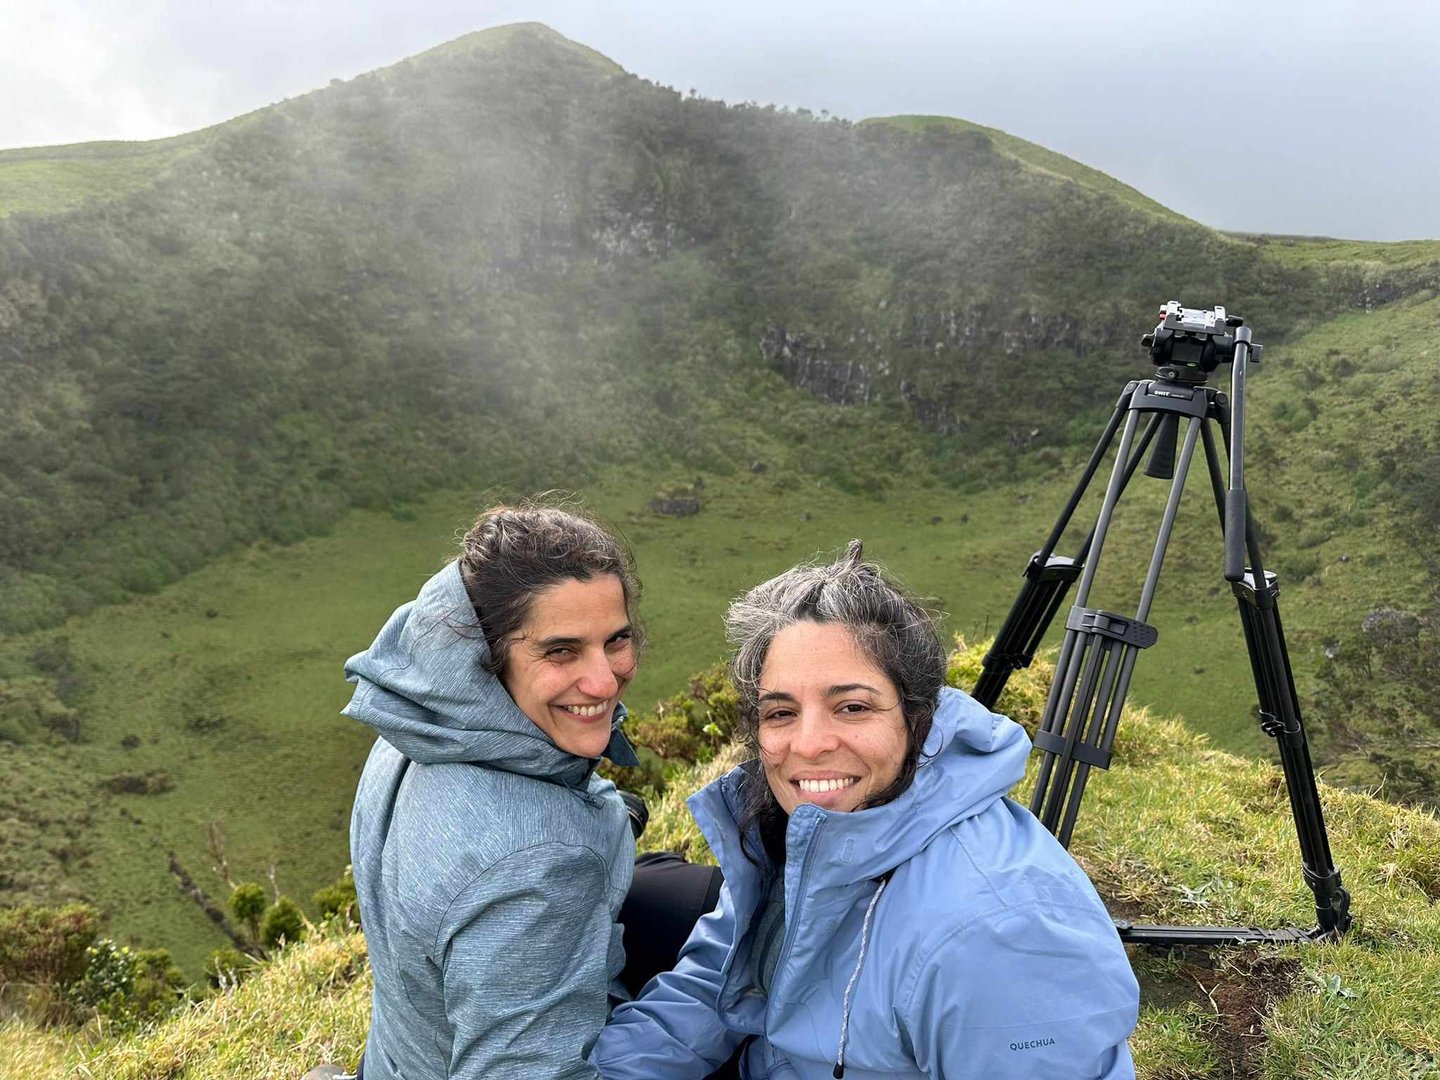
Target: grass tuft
308	1006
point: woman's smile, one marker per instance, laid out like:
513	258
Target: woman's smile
815	787
605	708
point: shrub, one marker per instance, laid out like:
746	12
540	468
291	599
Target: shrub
126	986
338	900
29	705
690	727
684	730
46	946
155	782
247	901
283	923
226	967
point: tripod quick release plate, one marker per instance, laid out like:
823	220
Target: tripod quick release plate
1190	343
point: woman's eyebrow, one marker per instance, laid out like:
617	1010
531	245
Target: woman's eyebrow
573	639
776	695
845	688
557	639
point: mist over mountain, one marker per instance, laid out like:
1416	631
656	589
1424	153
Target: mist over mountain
509	252
509	262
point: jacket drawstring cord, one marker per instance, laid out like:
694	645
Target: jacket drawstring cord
854	978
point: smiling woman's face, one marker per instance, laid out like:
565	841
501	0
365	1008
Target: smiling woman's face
571	661
831	729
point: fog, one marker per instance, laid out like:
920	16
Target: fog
1321	118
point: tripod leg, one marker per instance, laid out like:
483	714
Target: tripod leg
1280	716
1048	578
1258	601
1079	728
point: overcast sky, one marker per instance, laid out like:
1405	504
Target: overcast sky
1321	117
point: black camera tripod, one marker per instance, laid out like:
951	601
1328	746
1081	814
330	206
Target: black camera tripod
1097	656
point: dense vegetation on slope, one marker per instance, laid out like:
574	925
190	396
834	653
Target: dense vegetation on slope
519	259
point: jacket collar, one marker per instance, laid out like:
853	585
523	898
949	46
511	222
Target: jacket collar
971	758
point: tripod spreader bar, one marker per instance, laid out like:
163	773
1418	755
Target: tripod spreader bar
1210	935
1090	623
1116	627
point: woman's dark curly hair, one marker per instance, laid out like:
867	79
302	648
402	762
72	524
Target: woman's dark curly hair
891	629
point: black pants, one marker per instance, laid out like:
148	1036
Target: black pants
667	897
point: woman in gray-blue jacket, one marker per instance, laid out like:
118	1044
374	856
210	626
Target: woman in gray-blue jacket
887	912
489	859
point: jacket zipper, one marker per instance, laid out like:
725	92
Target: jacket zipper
794	922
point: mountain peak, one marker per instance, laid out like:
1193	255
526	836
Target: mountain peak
519	36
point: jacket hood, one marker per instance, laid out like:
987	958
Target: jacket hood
421	686
971	758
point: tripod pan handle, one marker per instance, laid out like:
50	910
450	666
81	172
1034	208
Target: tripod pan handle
1235	514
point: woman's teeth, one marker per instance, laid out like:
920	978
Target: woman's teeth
815	787
585	710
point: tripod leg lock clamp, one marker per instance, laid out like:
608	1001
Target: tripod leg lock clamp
1291	734
1106	624
1051	743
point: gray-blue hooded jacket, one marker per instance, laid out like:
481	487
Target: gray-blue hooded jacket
490	864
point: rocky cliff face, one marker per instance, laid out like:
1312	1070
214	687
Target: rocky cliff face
808	364
933	361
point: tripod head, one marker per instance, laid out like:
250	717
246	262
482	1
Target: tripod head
1190	343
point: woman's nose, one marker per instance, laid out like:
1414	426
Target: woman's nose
599	679
813	736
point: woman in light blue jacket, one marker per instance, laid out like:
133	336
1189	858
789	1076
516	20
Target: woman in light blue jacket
887	912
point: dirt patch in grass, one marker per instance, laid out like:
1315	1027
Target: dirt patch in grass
1235	990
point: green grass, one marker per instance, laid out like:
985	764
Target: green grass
1037	157
1319	249
51	179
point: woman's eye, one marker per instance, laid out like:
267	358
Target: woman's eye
779	716
855	708
619	642
559	652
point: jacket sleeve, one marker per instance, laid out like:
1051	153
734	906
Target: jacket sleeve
525	950
1041	991
673	1031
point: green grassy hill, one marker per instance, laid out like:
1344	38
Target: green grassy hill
1176	832
259	379
50	179
508	255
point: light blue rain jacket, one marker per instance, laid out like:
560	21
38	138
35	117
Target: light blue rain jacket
490	864
988	956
